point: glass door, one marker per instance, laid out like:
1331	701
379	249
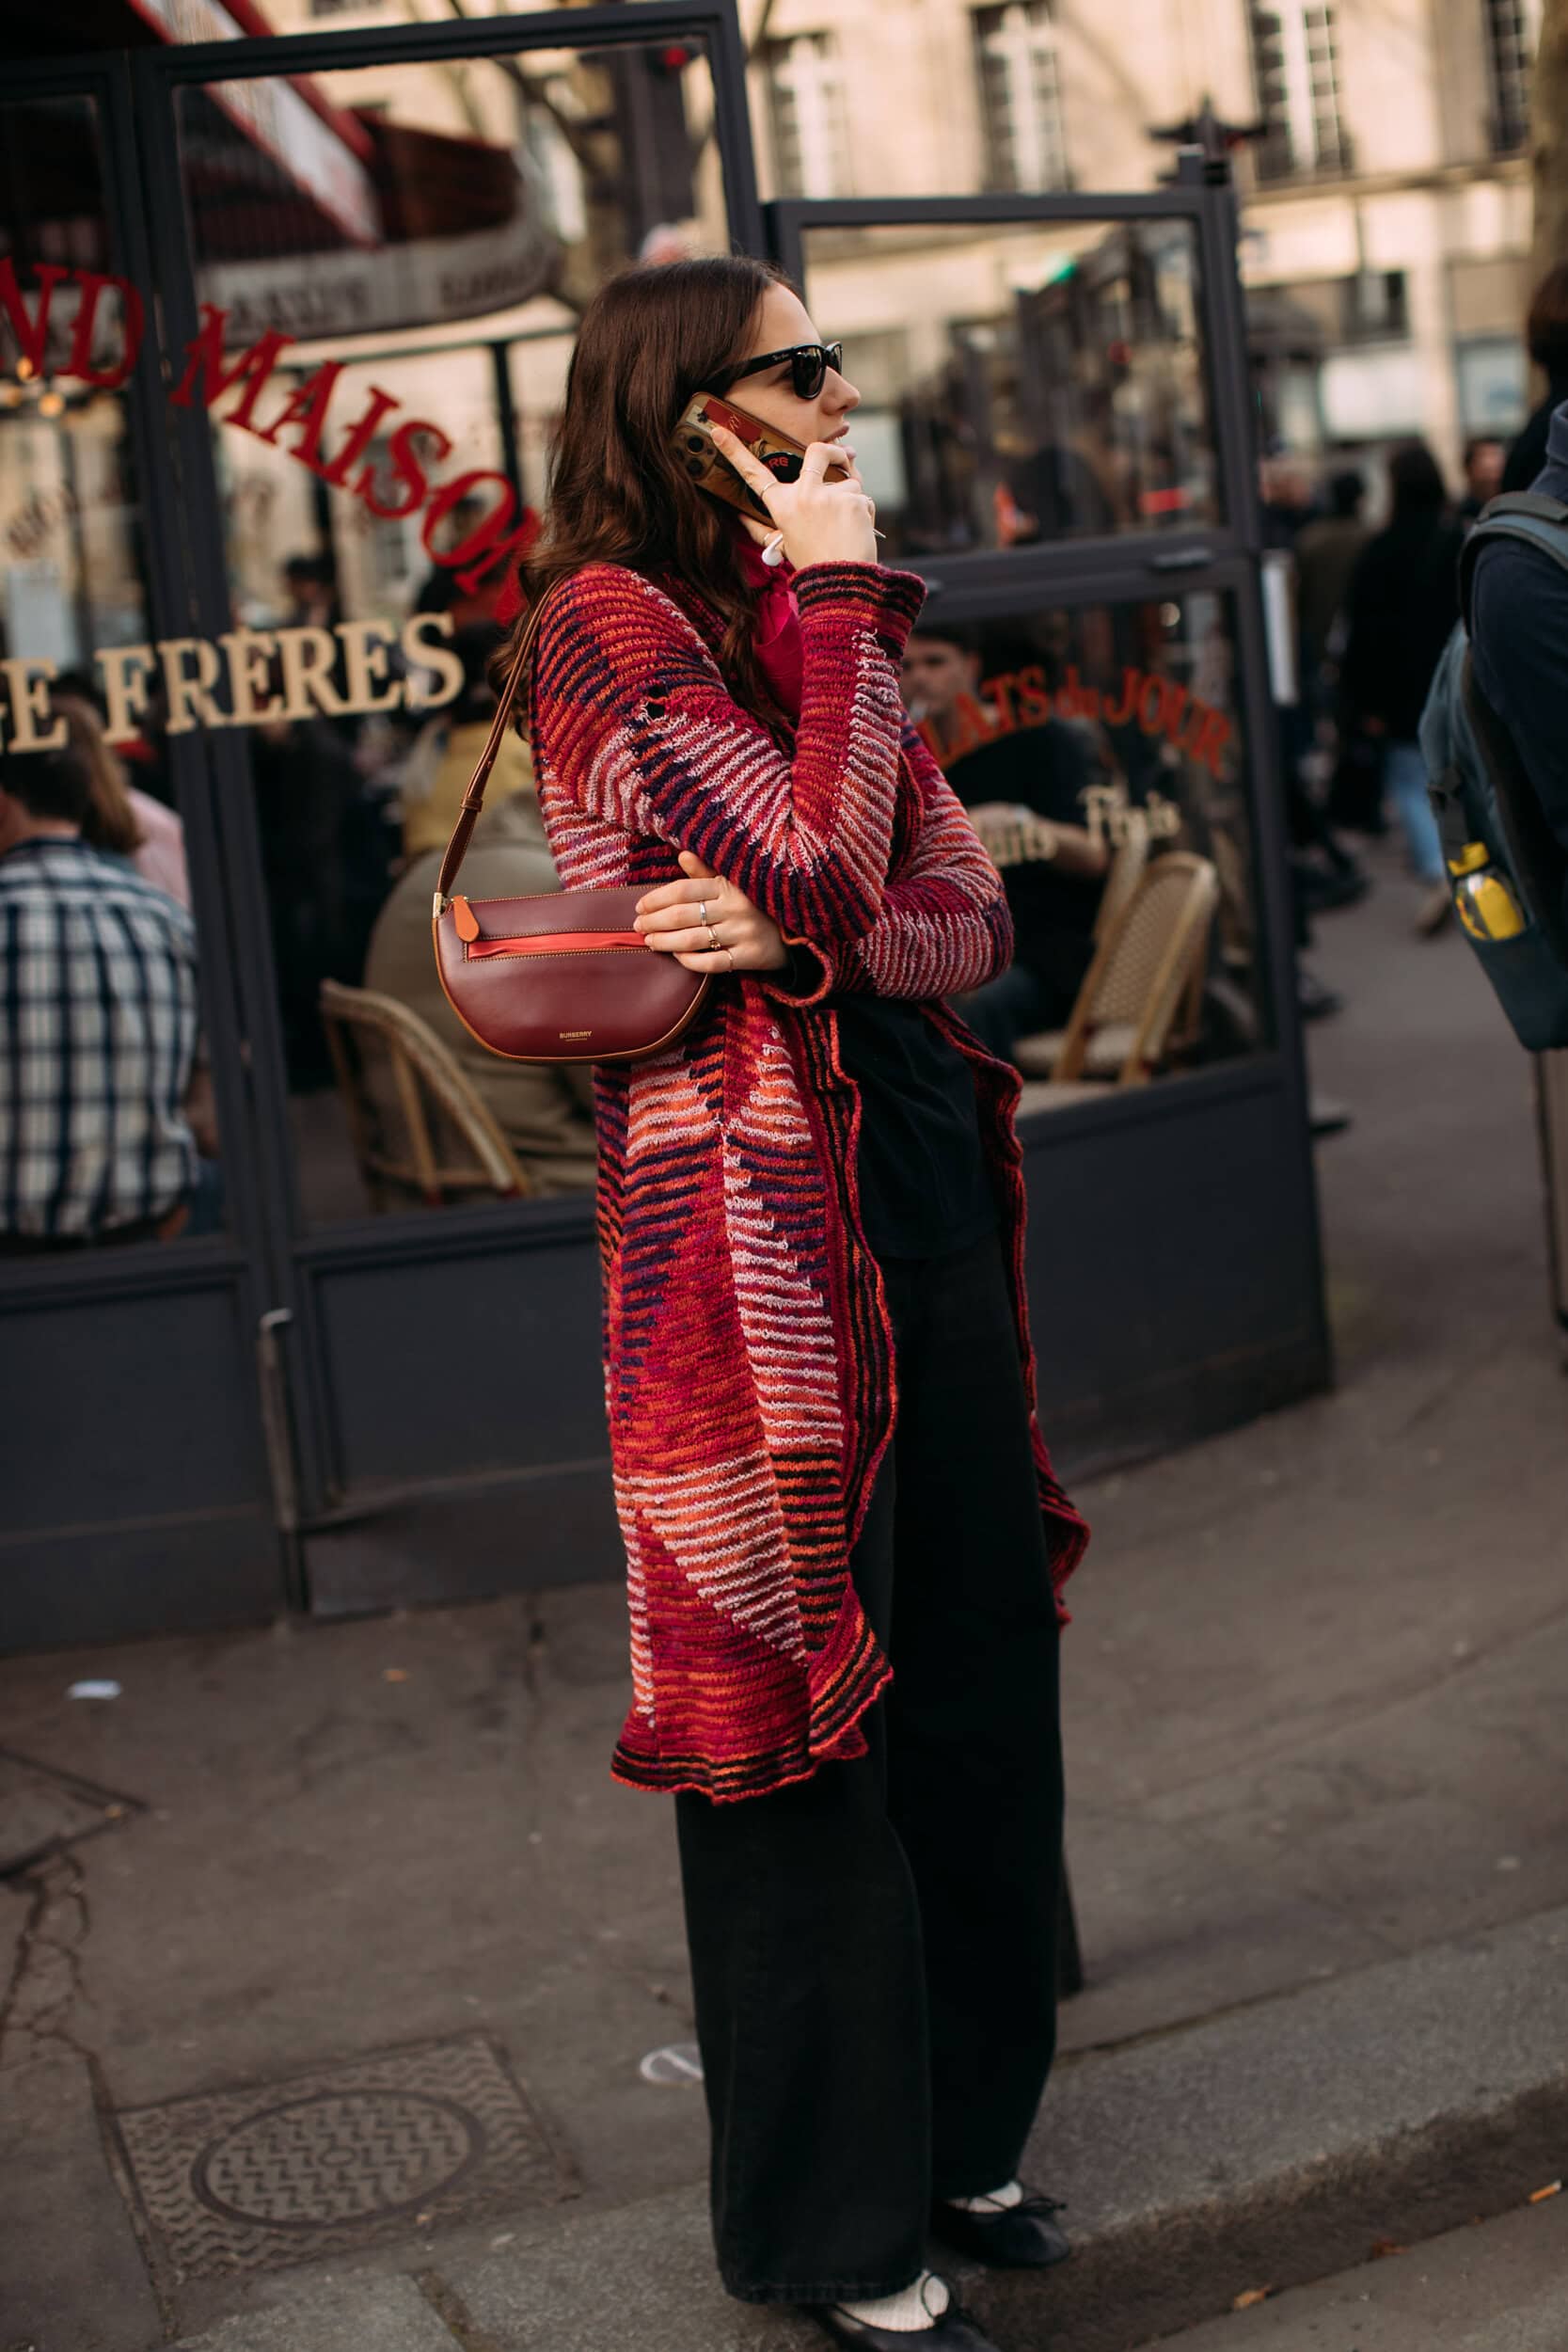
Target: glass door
133	1281
376	247
1055	423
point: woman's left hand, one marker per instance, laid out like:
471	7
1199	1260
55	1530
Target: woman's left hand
709	925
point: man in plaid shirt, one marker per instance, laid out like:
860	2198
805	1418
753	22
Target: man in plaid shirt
98	1026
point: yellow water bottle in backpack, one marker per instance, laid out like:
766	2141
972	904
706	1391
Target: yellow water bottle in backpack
1482	896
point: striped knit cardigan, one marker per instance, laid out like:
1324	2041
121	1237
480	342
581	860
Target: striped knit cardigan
749	1368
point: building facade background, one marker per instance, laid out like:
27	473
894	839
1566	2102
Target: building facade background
1386	201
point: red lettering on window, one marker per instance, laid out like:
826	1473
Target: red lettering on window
32	334
206	374
94	284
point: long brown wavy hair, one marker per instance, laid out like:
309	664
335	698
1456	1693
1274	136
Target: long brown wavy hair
648	341
110	821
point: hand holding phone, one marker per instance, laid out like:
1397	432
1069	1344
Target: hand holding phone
776	483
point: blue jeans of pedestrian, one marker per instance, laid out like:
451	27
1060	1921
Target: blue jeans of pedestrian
1406	775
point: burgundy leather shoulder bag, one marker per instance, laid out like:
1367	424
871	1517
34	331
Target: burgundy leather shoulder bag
561	978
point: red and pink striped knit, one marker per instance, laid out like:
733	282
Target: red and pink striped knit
748	1355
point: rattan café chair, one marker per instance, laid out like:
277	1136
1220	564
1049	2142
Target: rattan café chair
1018	838
1142	975
437	1106
1126	870
1015	836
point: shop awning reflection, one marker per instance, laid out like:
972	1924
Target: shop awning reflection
305	215
321	151
468	229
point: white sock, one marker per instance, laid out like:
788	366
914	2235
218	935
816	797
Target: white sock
998	2200
917	2307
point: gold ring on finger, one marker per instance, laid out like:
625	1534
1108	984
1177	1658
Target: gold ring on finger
730	952
715	943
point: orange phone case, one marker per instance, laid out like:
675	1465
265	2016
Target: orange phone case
694	447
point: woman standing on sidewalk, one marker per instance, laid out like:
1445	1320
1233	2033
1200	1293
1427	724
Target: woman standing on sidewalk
843	1534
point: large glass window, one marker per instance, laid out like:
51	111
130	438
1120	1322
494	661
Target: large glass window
1053	384
388	312
107	1127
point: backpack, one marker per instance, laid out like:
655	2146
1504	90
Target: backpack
1506	865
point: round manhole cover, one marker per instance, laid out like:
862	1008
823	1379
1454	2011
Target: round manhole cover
344	2155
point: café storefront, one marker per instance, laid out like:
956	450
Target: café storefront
278	365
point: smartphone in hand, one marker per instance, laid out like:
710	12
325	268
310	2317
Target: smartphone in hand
694	447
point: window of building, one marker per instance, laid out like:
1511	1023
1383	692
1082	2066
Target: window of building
1512	31
806	116
1374	306
1020	96
1297	70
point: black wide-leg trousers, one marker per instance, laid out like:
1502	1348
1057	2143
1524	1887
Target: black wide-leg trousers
874	1949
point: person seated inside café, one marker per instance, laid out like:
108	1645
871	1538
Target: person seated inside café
1004	755
546	1114
121	820
99	1025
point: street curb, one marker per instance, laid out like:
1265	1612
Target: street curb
1286	2140
1267	2147
1132	2286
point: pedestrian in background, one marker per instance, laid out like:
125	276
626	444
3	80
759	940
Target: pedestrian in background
843	1619
1402	601
1326	552
1483	461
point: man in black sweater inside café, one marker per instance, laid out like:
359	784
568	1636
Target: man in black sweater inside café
1005	755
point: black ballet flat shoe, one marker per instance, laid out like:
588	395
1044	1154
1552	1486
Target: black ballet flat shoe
1025	2236
955	2331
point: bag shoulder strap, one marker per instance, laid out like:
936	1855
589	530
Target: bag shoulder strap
473	798
1527	517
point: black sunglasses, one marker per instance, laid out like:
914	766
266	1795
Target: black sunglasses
808	367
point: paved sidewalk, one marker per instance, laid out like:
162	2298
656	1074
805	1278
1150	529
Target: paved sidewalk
1502	2288
1317	1753
1186	2187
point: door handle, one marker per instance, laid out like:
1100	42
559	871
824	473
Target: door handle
277	1421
